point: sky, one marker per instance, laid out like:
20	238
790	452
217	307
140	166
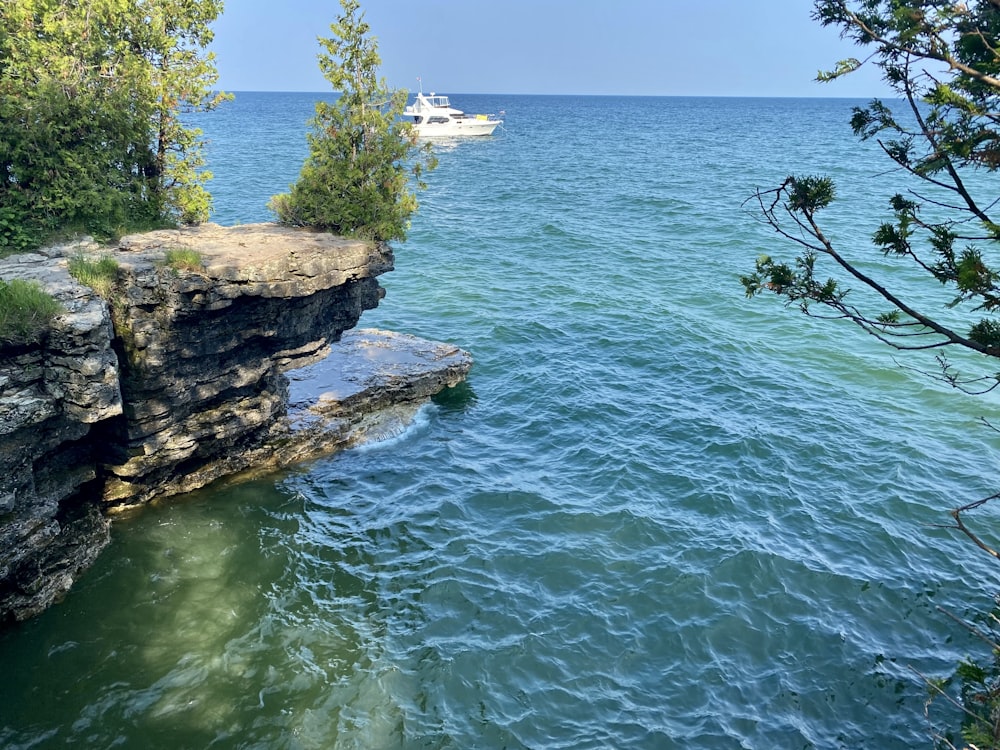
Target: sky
601	47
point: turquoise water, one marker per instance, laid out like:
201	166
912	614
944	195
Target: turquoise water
658	515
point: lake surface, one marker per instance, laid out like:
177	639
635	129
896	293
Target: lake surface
658	515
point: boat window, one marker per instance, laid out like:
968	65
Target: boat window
437	119
418	119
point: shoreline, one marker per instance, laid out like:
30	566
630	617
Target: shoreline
180	380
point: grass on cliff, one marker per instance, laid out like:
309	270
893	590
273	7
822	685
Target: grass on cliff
100	275
26	311
184	260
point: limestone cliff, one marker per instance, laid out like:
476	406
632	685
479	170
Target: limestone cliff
188	384
54	399
202	352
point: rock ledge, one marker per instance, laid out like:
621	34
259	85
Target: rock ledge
181	381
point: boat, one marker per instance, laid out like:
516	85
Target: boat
433	116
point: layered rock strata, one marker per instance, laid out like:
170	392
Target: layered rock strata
55	400
189	383
203	352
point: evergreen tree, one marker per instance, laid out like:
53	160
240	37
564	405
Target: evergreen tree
355	180
943	61
181	78
90	100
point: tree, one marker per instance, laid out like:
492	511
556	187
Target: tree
90	100
943	61
182	77
949	133
355	180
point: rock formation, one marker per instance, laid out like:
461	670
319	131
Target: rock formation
188	385
53	401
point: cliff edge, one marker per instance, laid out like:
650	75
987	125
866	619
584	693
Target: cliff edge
178	379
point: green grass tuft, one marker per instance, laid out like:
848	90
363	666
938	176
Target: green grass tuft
100	275
184	260
26	311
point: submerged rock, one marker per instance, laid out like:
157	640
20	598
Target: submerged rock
188	385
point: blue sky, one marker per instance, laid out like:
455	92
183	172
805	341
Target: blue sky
633	47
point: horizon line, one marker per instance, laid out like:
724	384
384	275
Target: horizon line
635	96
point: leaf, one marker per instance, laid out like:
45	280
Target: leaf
843	68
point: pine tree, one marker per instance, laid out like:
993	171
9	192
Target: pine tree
90	102
356	179
942	59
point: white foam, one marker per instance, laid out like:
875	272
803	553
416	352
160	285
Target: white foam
393	428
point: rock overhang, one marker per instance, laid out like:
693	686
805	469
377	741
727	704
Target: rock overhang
187	386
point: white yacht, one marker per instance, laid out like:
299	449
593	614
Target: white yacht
434	116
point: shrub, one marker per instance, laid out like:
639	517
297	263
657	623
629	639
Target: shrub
15	234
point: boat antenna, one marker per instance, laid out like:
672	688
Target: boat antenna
420	85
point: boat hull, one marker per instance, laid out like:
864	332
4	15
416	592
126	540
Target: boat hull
434	117
468	127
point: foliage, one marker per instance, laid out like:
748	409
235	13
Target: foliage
15	234
978	690
183	259
355	180
942	59
26	311
91	96
182	79
101	274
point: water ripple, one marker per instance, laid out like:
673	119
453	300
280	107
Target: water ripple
658	515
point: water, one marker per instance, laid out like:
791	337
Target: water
658	515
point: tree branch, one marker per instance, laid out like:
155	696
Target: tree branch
960	524
928	53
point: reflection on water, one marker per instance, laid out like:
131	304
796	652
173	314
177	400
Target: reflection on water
253	632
